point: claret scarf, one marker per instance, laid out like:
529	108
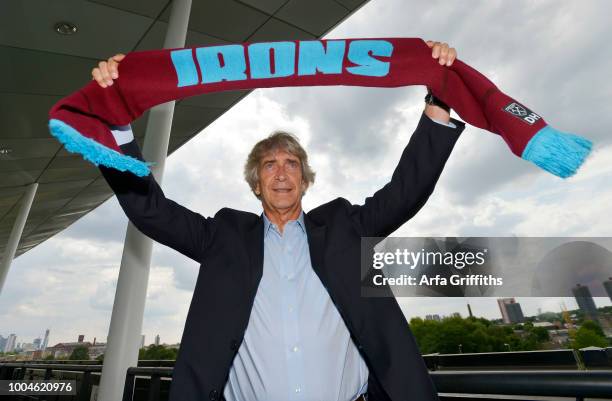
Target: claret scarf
82	121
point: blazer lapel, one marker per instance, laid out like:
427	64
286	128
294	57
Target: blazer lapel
316	243
255	248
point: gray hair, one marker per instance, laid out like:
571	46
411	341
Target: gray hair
277	140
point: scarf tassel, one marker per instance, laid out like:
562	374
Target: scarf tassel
559	153
96	153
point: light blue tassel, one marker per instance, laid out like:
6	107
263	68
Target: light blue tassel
557	152
93	151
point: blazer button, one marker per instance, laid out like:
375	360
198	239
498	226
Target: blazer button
214	395
234	345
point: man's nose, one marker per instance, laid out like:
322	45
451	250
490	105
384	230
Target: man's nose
281	173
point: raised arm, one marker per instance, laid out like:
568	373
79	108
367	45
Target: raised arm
413	180
420	166
156	216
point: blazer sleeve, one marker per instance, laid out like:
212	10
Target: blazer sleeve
413	180
156	216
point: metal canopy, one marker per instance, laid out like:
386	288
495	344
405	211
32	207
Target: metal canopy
40	66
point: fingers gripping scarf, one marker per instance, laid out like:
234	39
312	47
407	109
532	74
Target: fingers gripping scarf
82	120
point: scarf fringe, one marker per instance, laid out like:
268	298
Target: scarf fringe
557	152
96	153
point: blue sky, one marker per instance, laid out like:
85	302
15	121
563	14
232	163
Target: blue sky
552	55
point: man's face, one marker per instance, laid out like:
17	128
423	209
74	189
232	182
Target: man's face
280	181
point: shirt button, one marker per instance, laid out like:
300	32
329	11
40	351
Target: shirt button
291	309
297	389
295	349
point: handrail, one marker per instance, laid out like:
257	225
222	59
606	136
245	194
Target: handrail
560	383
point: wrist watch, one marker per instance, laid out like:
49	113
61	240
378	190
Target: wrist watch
432	100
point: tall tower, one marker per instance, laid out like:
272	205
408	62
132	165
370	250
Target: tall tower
157	339
585	301
10	343
470	310
45	341
510	310
142	341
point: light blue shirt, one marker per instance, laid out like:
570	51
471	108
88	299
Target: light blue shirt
296	345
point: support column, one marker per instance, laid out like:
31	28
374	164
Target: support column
18	225
128	308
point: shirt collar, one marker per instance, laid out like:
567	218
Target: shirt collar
268	224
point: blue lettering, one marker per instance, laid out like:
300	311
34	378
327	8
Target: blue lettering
185	67
234	64
314	57
361	52
284	59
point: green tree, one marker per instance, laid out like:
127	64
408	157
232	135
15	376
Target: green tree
586	337
157	353
455	334
49	357
594	326
79	354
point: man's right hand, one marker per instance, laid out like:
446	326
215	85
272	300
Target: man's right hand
108	70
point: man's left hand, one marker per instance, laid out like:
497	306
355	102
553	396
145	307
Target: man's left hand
442	52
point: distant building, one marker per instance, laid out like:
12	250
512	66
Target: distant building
608	286
585	301
435	317
10	343
546	325
96	349
510	310
37	342
28	347
142	341
64	350
157	339
559	336
515	313
470	311
45	340
2	343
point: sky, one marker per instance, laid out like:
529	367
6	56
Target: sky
552	55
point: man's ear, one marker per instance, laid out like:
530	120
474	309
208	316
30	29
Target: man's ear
257	190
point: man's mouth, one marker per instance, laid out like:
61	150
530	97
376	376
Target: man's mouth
282	190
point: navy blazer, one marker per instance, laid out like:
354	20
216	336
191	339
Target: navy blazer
230	246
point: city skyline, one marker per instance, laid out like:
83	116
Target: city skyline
429	316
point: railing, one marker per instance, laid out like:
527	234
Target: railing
156	387
575	384
492	376
589	359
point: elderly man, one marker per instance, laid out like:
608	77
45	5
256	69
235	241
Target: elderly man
276	314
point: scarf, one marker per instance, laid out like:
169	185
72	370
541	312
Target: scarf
83	120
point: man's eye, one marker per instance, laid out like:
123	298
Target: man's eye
293	164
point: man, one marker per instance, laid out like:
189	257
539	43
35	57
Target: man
277	313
